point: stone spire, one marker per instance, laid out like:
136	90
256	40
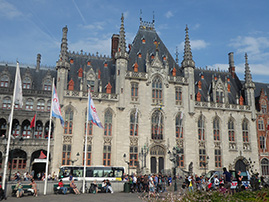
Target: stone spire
122	43
176	55
63	60
248	78
187	58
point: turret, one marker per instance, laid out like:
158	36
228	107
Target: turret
188	65
121	57
62	66
249	88
231	64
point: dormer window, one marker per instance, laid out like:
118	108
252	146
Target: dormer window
139	54
174	71
71	85
199	85
105	64
164	58
108	88
263	107
26	83
4	81
143	40
229	88
89	63
47	85
71	61
152	56
91	85
135	67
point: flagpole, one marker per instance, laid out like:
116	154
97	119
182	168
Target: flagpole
48	149
136	111
85	145
10	129
180	124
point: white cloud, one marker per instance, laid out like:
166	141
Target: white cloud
195	44
169	14
8	10
95	26
256	47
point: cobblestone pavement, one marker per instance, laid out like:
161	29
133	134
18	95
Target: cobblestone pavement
116	197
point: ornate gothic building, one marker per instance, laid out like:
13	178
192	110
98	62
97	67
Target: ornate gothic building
148	103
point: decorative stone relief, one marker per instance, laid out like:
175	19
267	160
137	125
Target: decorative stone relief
67	139
232	146
180	143
133	141
217	144
202	144
89	140
246	146
107	140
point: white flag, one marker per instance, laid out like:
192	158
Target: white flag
18	87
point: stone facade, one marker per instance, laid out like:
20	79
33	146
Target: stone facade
149	104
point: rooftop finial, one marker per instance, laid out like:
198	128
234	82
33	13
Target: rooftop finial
187	58
140	16
153	18
121	52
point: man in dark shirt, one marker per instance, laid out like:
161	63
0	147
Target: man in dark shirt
227	179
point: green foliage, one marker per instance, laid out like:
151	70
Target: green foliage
210	196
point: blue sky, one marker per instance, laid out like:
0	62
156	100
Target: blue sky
216	27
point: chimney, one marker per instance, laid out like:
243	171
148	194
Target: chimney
231	64
38	60
114	45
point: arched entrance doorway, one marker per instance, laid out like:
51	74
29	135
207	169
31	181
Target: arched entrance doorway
157	154
38	162
240	165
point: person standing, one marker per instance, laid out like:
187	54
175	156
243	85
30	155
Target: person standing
227	180
239	180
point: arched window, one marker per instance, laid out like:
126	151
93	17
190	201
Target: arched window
157	125
179	126
263	106
245	131
157	90
47	130
47	84
15	128
4	81
29	104
38	129
40	105
201	128
26	130
26	84
6	103
68	124
219	94
108	123
216	129
231	131
134	123
265	166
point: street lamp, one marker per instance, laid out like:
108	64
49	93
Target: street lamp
174	156
75	160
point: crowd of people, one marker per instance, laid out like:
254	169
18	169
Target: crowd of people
28	176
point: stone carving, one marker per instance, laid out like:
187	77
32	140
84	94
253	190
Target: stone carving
202	144
246	146
232	146
180	143
133	141
67	139
107	140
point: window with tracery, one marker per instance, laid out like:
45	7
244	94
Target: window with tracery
47	85
262	142
263	106
202	158
26	130
133	156
88	155
134	91
201	128
134	123
157	90
265	166
107	155
66	155
157	125
218	158
260	124
216	129
178	95
108	123
245	131
68	124
15	128
231	131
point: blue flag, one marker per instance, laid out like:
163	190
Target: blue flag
56	109
93	113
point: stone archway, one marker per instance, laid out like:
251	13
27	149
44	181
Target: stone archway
241	163
157	156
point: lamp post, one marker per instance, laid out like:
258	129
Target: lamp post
75	160
174	156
